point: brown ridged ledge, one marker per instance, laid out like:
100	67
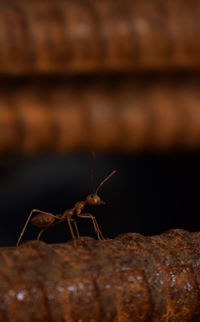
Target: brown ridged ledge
129	278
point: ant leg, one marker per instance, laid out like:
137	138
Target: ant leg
76	227
86	215
97	225
96	228
26	223
71	230
48	227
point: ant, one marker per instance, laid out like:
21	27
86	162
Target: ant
47	220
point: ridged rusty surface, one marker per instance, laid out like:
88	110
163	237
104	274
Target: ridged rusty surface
104	115
90	35
130	278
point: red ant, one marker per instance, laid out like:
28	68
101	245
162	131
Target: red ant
47	219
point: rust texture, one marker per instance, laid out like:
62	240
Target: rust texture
130	278
91	35
102	115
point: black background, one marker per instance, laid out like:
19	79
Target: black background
149	194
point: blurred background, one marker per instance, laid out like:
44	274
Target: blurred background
118	78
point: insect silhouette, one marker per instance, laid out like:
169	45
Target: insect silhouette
49	220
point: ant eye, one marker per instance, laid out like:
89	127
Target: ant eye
92	196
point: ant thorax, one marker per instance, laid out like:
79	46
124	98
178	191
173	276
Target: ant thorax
79	206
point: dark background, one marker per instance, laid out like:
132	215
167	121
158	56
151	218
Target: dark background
149	194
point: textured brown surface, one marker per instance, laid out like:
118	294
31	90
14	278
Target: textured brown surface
84	114
90	35
129	278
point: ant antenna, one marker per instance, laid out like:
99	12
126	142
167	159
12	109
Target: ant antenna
106	179
92	171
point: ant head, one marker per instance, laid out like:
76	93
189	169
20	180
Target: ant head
94	199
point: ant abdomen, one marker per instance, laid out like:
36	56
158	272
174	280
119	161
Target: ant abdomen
42	219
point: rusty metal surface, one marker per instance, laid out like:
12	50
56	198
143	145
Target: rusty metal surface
129	278
91	35
104	115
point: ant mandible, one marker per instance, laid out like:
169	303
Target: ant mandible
47	220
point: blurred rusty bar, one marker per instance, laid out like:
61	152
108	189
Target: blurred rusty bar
131	278
117	115
70	36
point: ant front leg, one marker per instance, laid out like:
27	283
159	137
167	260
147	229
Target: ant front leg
95	224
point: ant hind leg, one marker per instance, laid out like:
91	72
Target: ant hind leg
48	227
27	221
